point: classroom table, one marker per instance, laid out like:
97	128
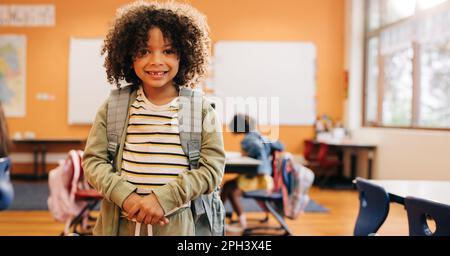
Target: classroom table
398	190
353	145
236	163
40	149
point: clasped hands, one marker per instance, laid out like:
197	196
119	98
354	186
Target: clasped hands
145	209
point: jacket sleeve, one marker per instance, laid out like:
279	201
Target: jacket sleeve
97	167
204	180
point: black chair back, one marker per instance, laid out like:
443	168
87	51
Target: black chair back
420	209
373	207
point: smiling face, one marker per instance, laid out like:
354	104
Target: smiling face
157	64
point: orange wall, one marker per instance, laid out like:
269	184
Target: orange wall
318	21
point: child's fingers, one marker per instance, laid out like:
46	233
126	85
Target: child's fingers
163	221
148	220
133	212
141	217
154	221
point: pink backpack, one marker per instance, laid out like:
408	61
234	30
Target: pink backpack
294	180
64	181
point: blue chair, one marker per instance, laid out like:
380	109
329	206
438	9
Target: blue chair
6	189
420	209
275	201
373	207
271	203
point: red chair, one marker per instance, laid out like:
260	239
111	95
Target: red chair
309	151
324	165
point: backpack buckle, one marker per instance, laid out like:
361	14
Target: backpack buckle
112	149
193	150
112	146
195	155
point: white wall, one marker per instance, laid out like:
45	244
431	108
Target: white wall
401	153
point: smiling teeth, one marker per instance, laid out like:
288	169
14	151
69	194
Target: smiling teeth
156	73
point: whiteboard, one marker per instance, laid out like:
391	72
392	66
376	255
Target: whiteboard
283	70
88	86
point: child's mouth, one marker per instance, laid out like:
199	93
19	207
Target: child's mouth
156	74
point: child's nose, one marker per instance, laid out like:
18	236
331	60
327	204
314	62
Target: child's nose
156	59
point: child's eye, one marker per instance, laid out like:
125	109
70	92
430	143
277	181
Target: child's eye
143	52
169	51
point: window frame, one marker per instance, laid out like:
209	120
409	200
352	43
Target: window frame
416	76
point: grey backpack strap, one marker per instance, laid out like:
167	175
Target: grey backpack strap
208	210
190	123
184	120
195	143
117	115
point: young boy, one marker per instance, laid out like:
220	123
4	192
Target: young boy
158	48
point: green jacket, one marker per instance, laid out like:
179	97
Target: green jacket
115	189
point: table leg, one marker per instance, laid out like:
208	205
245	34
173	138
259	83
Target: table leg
44	164
340	155
35	161
353	165
369	164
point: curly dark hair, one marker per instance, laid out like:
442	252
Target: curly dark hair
181	24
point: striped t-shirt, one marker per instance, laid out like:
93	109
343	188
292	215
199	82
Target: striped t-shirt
152	154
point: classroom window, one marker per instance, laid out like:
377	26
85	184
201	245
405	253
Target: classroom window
394	10
397	98
407	64
435	85
426	4
374	19
372	80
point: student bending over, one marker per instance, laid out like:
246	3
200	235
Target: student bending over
256	146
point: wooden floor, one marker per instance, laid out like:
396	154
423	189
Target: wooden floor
339	221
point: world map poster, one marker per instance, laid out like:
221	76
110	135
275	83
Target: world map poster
12	74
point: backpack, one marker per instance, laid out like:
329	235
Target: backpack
207	210
295	181
64	181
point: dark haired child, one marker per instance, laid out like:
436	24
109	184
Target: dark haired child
156	48
256	146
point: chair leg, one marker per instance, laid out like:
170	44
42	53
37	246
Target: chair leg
263	207
229	215
324	183
266	219
77	220
278	217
